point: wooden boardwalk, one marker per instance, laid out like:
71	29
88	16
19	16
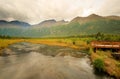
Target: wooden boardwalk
105	44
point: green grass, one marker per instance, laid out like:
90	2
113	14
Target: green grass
99	65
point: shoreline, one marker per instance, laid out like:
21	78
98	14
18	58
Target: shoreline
110	65
110	68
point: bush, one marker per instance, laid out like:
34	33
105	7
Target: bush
99	65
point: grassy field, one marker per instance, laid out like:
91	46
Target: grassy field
69	42
77	43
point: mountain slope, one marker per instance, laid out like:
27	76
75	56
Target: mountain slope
47	23
78	26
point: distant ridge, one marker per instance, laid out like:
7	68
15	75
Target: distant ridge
14	23
49	23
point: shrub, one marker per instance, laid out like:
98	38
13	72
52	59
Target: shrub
99	65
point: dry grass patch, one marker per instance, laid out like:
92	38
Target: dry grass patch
5	42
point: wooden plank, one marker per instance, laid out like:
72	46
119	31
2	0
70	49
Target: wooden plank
104	44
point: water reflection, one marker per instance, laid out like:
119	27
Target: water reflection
38	62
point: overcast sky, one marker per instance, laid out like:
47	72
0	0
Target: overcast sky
35	11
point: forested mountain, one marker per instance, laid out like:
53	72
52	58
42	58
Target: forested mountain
78	26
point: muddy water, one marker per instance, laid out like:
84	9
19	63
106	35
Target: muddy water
37	61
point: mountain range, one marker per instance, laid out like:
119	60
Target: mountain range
4	23
52	28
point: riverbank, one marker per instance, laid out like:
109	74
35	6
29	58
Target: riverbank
74	43
110	65
42	61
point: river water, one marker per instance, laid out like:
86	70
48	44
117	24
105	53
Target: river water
38	61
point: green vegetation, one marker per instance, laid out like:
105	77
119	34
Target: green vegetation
105	37
99	65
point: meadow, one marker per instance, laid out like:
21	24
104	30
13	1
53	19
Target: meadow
77	43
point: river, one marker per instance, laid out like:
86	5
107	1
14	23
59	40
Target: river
38	61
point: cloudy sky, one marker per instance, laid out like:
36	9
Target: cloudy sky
35	11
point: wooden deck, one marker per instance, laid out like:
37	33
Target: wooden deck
105	44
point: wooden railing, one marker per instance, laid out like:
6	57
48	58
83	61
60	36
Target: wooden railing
108	45
105	44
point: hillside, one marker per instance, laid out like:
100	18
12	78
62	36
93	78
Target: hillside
78	26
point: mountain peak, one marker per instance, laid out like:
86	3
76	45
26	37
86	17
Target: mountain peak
48	21
20	23
94	16
91	17
77	19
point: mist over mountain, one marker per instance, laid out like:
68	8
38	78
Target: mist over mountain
52	28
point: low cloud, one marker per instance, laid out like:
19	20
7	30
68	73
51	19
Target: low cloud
110	7
34	11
